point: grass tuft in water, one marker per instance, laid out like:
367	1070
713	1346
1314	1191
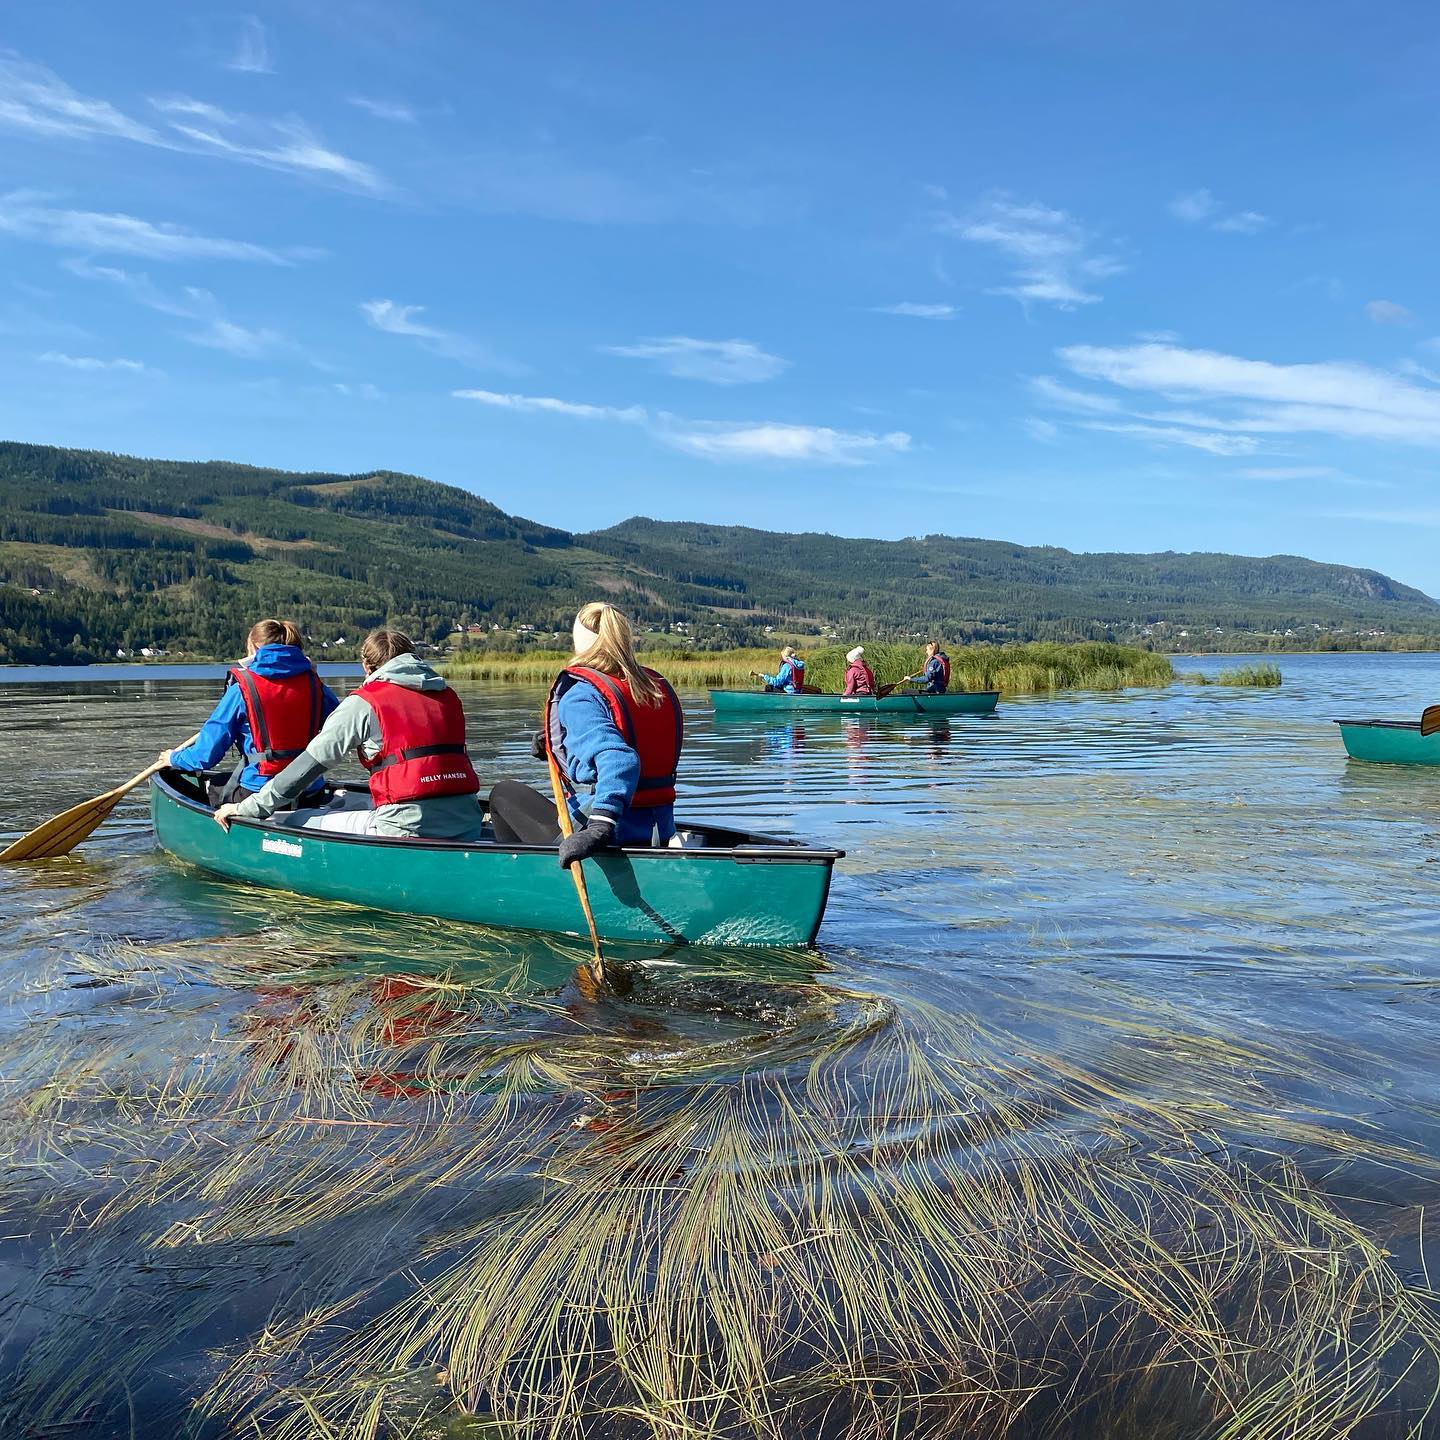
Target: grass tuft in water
1264	675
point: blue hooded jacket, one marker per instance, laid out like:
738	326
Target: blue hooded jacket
228	726
791	678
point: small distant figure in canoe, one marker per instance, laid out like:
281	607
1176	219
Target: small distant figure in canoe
273	706
790	678
935	677
614	727
407	728
859	677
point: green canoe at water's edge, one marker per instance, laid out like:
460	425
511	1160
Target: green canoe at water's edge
960	702
1389	742
740	889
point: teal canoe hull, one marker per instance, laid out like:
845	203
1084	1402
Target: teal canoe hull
762	702
1389	742
739	889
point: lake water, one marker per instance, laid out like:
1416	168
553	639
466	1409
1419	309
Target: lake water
1108	1105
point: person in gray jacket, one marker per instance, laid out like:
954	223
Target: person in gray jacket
407	727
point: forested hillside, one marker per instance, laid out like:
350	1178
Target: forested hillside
101	553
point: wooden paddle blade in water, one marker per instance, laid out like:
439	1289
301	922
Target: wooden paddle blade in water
62	834
1430	720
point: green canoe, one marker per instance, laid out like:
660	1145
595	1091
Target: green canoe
738	889
1390	742
770	702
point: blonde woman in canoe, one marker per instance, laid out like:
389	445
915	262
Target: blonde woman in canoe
614	728
790	678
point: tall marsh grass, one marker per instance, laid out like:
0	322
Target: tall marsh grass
1014	669
1263	675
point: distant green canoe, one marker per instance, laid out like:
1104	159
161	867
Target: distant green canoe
1389	742
961	702
738	889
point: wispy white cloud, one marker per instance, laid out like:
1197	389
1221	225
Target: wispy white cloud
1066	397
1054	263
23	214
251	55
288	145
36	101
359	389
1425	518
813	444
212	328
1259	397
918	310
396	111
1388	312
93	363
1047	432
1200	207
548	405
1207	440
1158	337
397	319
1289	472
721	362
719	440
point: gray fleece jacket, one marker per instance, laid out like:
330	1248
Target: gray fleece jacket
354	725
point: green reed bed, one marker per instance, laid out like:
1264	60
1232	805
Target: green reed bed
1263	675
375	1202
1016	669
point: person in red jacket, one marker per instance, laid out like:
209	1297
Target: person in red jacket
407	727
859	677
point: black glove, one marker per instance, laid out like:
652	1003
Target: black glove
537	744
584	843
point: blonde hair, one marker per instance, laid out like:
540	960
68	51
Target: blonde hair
273	632
613	652
382	645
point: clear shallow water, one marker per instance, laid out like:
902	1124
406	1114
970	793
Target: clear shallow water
1093	935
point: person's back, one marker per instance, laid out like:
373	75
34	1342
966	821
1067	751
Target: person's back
859	677
936	674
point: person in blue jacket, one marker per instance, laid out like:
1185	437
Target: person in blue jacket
285	712
791	676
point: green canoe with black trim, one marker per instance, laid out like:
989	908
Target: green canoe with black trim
1389	742
959	702
736	889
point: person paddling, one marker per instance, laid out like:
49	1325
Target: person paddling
935	677
407	727
614	727
859	677
790	678
273	705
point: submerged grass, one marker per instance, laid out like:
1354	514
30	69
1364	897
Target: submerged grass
385	1201
1016	669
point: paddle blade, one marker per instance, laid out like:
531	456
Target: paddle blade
62	834
1430	720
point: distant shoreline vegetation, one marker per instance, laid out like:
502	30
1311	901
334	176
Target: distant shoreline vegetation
1014	669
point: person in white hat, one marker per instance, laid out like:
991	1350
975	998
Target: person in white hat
859	677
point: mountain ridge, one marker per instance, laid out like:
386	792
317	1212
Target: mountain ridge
101	552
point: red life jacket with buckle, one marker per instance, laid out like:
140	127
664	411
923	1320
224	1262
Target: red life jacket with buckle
422	744
654	732
284	715
944	660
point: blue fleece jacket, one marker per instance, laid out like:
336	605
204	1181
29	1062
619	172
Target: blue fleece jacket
790	679
934	676
228	726
597	755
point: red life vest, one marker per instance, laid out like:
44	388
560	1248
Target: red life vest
654	732
283	713
944	660
422	744
859	679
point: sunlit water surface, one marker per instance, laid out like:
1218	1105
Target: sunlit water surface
1111	987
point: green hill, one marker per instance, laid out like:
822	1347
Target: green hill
101	553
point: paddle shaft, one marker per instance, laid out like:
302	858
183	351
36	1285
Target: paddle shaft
577	870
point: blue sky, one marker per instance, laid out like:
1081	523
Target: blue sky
1106	276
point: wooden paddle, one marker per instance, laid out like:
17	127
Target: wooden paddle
62	834
885	690
1429	724
596	970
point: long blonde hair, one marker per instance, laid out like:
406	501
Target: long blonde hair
613	652
273	632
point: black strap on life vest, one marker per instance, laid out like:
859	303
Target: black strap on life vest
415	752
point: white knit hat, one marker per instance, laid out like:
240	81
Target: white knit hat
855	654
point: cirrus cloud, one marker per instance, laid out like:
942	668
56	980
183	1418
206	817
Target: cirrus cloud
721	362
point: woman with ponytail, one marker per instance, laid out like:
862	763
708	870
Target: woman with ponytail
615	729
273	705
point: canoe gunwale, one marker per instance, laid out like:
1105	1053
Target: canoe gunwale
1381	724
760	849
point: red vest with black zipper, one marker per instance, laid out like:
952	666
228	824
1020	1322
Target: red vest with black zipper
422	744
284	715
654	732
